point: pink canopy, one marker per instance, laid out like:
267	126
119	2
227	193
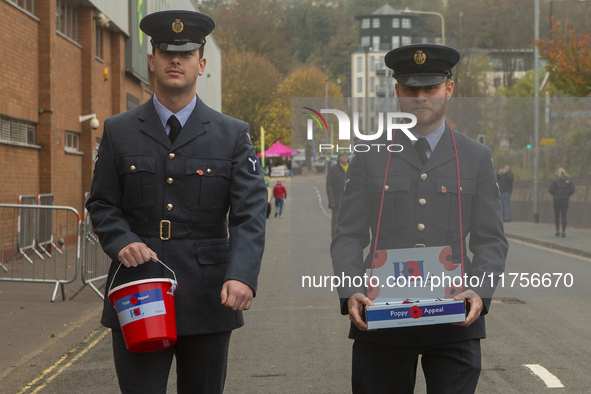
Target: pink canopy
279	150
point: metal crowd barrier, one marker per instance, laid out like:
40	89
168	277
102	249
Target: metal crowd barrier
95	262
26	227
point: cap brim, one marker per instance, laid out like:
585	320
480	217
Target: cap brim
420	80
180	47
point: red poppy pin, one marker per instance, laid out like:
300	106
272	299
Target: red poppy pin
443	189
200	172
416	312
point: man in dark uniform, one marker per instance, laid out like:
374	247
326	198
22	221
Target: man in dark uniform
420	208
335	180
158	196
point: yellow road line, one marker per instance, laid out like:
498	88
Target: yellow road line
63	368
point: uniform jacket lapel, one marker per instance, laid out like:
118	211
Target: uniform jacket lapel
195	125
408	154
443	152
151	124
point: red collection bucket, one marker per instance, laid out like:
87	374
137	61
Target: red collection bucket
146	312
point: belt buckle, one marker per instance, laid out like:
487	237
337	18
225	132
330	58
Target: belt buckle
162	236
420	246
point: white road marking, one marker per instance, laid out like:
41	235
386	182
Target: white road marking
322	208
549	379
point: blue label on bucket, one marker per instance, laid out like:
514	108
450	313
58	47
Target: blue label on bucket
140	306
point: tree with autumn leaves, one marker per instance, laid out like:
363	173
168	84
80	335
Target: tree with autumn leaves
569	59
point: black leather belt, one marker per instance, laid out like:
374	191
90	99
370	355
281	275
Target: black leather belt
166	230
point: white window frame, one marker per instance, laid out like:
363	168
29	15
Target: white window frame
17	131
67	19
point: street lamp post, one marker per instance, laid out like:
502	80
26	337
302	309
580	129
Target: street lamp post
431	13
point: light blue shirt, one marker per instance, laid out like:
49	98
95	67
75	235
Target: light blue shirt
432	138
164	113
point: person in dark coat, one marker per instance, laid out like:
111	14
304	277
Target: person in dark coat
561	189
335	180
195	199
420	208
505	179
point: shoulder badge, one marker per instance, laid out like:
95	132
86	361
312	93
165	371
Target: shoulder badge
420	57
253	166
177	26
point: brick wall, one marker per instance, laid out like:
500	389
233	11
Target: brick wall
19	87
66	79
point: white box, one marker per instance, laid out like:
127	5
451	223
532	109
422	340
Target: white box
417	313
414	287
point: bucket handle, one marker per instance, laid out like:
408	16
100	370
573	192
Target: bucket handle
173	283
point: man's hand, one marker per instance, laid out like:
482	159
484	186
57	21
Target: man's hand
476	306
356	305
236	295
136	253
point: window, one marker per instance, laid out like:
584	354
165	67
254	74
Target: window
13	130
406	40
364	41
375	43
406	24
372	87
395	41
359	85
375	23
395	23
28	5
72	141
359	63
365	23
372	64
67	19
98	48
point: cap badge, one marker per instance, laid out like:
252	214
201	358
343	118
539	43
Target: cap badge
420	57
177	26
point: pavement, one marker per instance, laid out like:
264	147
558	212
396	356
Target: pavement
34	330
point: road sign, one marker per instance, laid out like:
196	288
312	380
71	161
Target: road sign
548	141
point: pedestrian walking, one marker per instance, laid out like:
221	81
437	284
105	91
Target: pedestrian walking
505	179
177	181
561	189
280	194
335	180
418	201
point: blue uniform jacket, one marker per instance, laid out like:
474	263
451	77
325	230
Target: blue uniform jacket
210	187
421	207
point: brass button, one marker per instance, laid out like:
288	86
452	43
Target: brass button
423	176
169	207
169	181
422	201
420	227
132	168
171	156
386	188
209	170
460	189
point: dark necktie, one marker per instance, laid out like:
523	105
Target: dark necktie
421	147
175	128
